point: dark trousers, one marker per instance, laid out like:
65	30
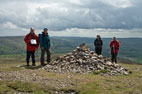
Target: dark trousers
114	57
98	51
42	55
29	54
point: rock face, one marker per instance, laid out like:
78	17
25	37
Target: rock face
82	60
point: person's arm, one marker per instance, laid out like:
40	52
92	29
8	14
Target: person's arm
101	43
49	44
37	39
26	39
111	44
40	40
94	42
118	44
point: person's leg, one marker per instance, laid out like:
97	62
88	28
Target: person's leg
42	56
33	57
48	55
100	51
115	58
112	57
28	58
97	51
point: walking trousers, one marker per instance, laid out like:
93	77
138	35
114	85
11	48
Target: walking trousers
43	51
114	57
29	54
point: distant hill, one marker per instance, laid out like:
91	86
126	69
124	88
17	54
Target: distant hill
130	48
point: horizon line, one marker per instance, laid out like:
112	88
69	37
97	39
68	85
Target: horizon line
71	36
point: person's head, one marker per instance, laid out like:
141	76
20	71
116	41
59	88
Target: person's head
98	37
32	31
114	38
45	30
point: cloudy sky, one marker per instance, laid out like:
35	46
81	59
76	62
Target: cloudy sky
83	18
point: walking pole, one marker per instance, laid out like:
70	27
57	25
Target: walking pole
37	52
113	50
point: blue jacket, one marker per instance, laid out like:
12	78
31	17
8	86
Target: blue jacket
44	40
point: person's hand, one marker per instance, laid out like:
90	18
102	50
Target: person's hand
36	48
30	43
42	48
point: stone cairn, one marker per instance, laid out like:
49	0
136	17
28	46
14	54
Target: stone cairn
82	60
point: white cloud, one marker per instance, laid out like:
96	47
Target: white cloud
119	3
9	25
105	33
61	16
78	2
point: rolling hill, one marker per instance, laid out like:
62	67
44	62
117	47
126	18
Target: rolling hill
130	48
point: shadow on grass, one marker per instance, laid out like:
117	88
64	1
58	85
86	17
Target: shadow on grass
32	67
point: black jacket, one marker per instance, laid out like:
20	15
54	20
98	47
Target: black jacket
98	43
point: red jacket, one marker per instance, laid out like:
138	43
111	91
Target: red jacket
27	40
114	45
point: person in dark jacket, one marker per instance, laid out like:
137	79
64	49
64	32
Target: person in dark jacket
32	43
45	46
98	43
114	45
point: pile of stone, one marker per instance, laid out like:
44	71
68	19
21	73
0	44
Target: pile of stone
82	60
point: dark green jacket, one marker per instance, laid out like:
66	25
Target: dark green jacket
44	40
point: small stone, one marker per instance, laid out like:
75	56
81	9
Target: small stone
82	60
108	63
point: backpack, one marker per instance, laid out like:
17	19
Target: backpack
40	37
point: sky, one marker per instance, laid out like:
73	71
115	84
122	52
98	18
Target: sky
78	18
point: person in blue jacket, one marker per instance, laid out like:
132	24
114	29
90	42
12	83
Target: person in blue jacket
44	40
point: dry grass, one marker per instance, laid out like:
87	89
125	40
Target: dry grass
84	83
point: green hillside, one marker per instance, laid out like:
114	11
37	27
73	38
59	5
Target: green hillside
130	48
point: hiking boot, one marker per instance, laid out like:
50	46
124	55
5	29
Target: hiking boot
34	64
43	64
28	65
48	62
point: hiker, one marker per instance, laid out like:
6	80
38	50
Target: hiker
45	46
114	45
32	42
98	43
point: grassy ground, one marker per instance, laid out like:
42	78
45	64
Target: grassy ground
83	84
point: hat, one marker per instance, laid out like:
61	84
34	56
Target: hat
98	36
45	29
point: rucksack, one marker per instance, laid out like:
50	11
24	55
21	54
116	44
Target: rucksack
41	37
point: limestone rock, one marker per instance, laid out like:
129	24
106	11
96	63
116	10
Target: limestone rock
82	60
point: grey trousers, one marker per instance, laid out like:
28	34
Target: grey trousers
43	51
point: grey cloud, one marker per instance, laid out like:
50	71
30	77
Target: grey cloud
87	15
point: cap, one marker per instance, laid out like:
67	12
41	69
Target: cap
45	29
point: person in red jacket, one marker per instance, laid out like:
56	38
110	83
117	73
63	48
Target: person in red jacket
32	43
114	45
